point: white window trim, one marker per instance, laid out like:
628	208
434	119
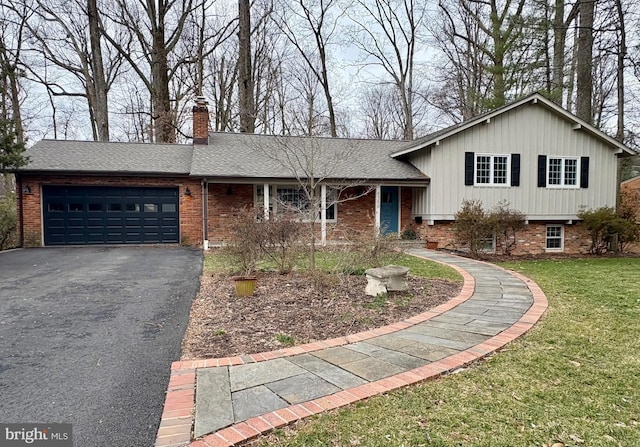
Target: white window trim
506	184
273	192
562	185
546	238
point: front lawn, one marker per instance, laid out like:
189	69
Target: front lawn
574	379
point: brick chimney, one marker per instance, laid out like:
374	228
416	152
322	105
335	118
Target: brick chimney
200	121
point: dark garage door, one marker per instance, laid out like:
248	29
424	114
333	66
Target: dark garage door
76	215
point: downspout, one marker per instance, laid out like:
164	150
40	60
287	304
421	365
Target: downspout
205	211
323	215
19	198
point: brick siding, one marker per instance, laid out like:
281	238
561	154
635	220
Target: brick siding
530	240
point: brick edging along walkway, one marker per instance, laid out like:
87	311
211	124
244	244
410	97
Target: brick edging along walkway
177	418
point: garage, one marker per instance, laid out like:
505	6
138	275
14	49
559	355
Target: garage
82	215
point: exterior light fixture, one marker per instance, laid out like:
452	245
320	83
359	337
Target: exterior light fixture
187	192
27	189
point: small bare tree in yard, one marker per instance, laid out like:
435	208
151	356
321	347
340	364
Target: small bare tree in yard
315	165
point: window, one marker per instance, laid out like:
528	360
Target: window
290	198
554	237
562	172
150	208
492	169
487	244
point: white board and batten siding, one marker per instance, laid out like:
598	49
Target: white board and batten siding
529	130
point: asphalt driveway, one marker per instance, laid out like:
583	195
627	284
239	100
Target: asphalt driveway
87	336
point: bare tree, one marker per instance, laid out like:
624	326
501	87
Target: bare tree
305	21
382	119
245	72
315	167
502	25
463	80
69	39
387	32
156	27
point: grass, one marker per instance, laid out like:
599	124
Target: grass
575	378
326	261
285	340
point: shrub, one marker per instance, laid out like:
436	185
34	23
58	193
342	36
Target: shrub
409	234
253	238
244	244
8	222
504	222
604	225
278	239
471	226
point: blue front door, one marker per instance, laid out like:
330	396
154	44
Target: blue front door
389	210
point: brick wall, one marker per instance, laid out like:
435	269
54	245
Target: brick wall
357	215
224	202
530	240
190	206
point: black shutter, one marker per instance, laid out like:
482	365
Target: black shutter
515	169
584	172
468	168
542	171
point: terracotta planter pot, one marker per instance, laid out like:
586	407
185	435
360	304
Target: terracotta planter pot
432	245
245	285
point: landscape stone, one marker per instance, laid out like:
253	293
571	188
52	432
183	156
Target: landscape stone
302	388
213	401
254	402
247	376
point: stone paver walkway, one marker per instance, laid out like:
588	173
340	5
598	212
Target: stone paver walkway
226	401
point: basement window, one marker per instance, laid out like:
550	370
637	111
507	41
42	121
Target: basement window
555	238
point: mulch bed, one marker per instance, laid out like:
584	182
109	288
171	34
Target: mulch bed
293	308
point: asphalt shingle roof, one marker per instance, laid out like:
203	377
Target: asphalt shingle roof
265	156
230	155
108	157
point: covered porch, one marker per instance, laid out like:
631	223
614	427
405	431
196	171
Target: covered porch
335	209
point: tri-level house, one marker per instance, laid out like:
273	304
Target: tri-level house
542	160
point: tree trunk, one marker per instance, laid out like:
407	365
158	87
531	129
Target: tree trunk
584	69
245	72
101	109
622	52
161	102
559	42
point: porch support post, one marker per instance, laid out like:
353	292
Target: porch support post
323	215
377	208
266	201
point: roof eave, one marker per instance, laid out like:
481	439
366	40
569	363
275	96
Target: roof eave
101	173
